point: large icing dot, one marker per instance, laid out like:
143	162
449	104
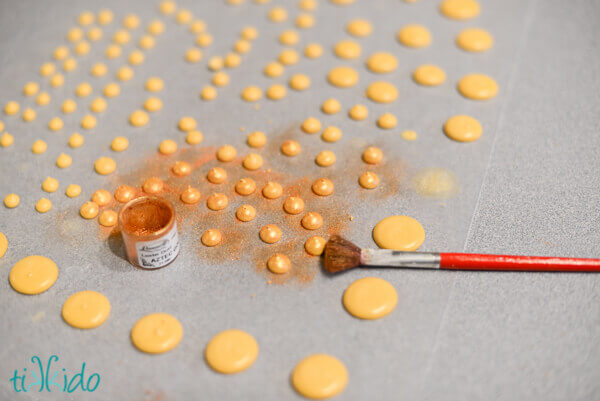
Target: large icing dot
33	275
415	36
3	244
459	9
157	333
382	62
382	92
477	87
401	233
231	351
86	309
319	376
463	128
474	40
370	298
342	77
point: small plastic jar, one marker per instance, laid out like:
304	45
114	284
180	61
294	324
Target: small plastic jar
149	232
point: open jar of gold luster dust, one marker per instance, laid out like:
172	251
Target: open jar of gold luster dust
149	232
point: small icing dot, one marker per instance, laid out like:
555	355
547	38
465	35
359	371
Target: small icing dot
415	36
342	77
459	9
311	125
252	161
43	205
33	275
50	184
12	200
331	134
39	147
358	112
89	210
124	193
245	213
63	161
186	124
359	28
6	140
372	155
382	62
216	175
231	351
313	50
139	118
368	180
190	196
312	221
463	128
98	105
387	121
429	75
226	153
208	93
347	49
299	82
290	148
88	122
277	14
293	205
288	57
73	191
279	263
325	158
124	73
112	90
245	186
474	40
211	237
315	245
105	165
252	94
55	124
102	197
193	55
76	140
194	137
331	106
323	187
257	139
409	135
477	87
153	185
272	190
217	201
167	147
270	233
382	92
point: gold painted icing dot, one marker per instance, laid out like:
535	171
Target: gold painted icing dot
112	90
124	193
436	183
477	87
251	94
101	197
322	187
313	50
139	118
359	28
372	155
108	218
217	201
42	99
216	175
89	210
50	184
88	122
226	153
86	309
31	88
293	205
315	245
105	165
167	147
43	205
325	158
409	135
358	112
76	140
277	14
319	376
6	140
194	137
211	237
181	168
153	104
312	221
342	77
368	180
11	201
270	233
253	161
299	82
382	92
119	144
331	134
153	185
39	147
290	148
387	121
415	36
231	351
124	73
73	191
279	263
382	62
257	139
29	115
347	49
33	275
429	75
245	213
370	298
474	40
273	69
331	106
156	333
3	244
245	186
311	125
459	9
400	233
463	128
272	190
190	195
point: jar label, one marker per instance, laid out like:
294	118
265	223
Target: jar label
159	252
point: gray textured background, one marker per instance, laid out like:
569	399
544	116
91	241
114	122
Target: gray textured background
530	185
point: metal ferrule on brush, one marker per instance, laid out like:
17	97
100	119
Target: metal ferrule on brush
388	257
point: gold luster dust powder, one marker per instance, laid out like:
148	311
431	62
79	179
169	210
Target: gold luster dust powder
436	183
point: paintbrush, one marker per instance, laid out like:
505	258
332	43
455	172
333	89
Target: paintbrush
342	255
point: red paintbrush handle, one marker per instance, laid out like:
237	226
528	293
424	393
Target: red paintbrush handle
473	261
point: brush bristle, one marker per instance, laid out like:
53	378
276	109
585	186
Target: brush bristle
341	255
